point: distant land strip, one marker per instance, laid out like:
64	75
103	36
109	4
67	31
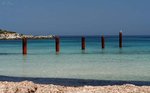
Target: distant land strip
8	35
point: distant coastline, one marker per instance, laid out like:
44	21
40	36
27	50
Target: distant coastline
10	35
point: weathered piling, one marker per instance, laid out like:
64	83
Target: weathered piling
103	41
57	42
24	46
120	39
83	43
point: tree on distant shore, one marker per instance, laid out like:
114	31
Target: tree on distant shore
5	31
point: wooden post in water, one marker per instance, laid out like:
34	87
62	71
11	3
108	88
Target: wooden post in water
103	41
57	42
83	43
120	39
24	46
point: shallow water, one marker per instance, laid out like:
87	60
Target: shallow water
132	62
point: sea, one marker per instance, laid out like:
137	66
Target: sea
129	63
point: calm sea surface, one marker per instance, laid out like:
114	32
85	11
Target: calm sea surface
132	62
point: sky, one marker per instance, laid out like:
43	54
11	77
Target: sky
76	17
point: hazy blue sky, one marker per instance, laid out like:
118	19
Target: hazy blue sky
76	17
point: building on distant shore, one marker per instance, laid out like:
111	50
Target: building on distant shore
4	34
10	36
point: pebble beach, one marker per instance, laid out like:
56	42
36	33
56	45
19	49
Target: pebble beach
30	87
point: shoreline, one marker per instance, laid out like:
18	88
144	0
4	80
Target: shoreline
72	81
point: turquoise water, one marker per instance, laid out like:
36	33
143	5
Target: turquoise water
132	62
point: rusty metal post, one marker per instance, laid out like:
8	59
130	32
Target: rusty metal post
57	42
83	43
24	46
120	39
103	41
